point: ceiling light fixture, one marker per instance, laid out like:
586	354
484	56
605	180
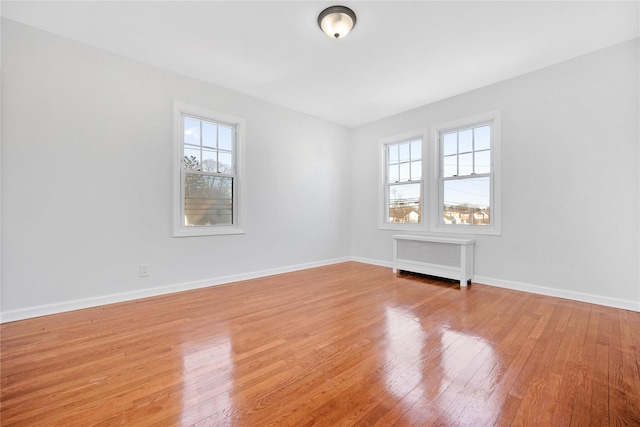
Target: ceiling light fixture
337	21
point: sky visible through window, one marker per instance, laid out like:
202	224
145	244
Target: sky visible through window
466	154
211	144
472	192
208	172
404	181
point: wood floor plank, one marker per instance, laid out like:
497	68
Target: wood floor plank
343	345
585	372
545	348
490	398
560	379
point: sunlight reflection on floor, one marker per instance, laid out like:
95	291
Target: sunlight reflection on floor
459	364
208	380
405	341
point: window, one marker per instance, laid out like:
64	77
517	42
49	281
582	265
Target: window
402	187
467	176
207	179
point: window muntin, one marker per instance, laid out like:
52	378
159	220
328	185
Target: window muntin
466	176
466	152
403	182
208	145
208	174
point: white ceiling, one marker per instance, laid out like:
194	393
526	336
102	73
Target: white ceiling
401	55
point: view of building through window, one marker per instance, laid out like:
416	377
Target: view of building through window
463	189
466	175
404	181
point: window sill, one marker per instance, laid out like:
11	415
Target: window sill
207	231
402	226
467	229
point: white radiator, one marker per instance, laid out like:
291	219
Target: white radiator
435	256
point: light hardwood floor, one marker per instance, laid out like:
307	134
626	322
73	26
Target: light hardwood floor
347	344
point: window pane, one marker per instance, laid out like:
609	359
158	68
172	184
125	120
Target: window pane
464	141
394	173
225	162
404	152
191	159
482	138
208	200
209	160
450	166
416	170
466	164
467	201
404	172
209	131
191	131
450	144
404	203
225	138
483	161
416	150
393	154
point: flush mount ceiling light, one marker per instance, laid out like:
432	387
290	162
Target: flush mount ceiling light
337	21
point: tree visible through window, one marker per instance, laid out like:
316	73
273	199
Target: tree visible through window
208	176
208	172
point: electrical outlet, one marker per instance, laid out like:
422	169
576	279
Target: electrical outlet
144	270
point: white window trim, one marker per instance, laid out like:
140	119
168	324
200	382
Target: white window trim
383	224
436	192
179	229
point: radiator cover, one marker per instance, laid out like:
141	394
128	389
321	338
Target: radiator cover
436	256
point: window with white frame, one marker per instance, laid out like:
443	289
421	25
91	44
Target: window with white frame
468	176
403	182
207	178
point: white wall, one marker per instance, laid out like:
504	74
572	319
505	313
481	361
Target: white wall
570	193
87	181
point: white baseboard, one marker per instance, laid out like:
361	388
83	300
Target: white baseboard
371	261
45	310
535	289
560	293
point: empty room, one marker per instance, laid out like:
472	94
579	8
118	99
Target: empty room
296	213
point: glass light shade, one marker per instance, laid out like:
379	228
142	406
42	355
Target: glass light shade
337	21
